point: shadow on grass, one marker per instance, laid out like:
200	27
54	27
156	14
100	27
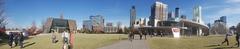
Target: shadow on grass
123	38
3	42
212	45
29	44
223	47
220	47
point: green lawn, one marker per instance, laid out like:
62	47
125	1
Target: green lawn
81	41
93	41
205	42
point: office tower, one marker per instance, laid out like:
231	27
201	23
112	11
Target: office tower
223	19
87	25
177	12
97	23
132	16
158	12
170	16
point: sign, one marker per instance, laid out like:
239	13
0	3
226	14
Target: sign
176	32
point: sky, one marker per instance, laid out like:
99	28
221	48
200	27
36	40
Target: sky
21	13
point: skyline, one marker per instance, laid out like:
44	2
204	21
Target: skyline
20	12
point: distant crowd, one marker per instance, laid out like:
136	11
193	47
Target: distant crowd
17	38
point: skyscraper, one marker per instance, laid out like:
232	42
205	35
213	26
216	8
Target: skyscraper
132	16
170	16
197	14
177	12
223	19
87	25
97	23
158	12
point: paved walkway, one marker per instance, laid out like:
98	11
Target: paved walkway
126	44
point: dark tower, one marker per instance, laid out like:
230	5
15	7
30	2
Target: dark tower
132	16
177	12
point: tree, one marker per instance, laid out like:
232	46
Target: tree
32	29
219	28
3	21
2	16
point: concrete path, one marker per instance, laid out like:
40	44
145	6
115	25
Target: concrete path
126	44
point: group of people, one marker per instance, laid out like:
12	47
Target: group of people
66	39
226	40
237	37
15	38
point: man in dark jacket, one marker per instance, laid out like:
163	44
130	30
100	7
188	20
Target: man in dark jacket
10	39
226	39
21	39
16	38
238	35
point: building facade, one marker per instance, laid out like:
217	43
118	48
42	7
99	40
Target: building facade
197	14
177	12
97	23
59	25
132	16
224	19
158	13
87	25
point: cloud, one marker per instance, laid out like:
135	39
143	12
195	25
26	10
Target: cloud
232	1
230	9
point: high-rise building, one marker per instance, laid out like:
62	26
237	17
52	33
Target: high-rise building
209	25
158	13
177	12
197	14
97	23
171	16
109	24
132	16
183	17
87	25
119	25
223	19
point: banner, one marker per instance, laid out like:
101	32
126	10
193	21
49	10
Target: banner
176	32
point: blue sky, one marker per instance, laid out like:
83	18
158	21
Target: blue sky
21	13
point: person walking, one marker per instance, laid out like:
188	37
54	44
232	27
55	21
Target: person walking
226	39
54	37
130	36
65	36
237	35
10	39
16	38
21	39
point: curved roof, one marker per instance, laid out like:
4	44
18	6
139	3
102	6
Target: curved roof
194	24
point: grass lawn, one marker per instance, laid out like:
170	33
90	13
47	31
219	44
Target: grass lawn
81	41
205	42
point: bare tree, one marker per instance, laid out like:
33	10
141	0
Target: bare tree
2	20
219	28
2	16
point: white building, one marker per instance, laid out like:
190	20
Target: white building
197	14
142	22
